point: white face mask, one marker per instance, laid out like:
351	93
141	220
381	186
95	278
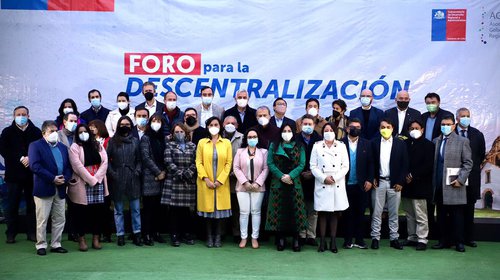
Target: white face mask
70	126
206	100
213	130
171	105
53	137
229	128
287	136
242	102
329	136
122	105
155	126
313	112
84	136
415	134
263	121
67	110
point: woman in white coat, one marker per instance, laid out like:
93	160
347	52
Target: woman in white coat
329	165
124	109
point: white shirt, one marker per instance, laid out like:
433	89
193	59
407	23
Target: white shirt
205	115
401	120
279	122
353	145
385	157
151	109
140	133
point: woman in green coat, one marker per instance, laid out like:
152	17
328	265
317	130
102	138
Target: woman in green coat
286	213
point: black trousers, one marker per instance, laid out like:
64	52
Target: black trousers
455	215
16	191
88	218
181	220
354	215
151	214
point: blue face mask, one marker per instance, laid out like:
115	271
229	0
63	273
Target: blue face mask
365	101
465	121
21	120
253	142
96	102
141	121
446	129
307	129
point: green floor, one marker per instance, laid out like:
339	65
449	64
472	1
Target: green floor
19	261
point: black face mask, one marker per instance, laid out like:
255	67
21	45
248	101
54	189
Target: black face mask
354	132
190	121
335	114
123	130
149	96
403	104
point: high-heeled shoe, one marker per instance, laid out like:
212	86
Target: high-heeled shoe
321	247
280	246
296	245
333	246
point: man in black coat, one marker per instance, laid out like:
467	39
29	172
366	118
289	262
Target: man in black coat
244	114
279	118
96	110
418	186
14	143
478	147
391	168
402	115
151	104
359	183
432	125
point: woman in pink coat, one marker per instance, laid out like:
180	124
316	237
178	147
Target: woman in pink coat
88	187
250	168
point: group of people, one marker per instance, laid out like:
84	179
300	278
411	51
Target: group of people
246	165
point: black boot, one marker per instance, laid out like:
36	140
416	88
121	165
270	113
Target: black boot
333	246
296	245
218	233
148	241
137	240
174	240
121	240
210	241
322	244
158	238
280	243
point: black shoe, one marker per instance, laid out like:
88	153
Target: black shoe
73	237
158	238
333	246
59	250
296	245
472	244
137	239
360	244
421	246
106	238
31	237
460	248
121	240
210	241
439	245
11	239
280	245
347	245
217	241
188	239
174	241
311	242
41	252
409	243
302	241
148	241
321	247
396	245
374	244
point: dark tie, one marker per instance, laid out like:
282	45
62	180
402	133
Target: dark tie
462	132
443	146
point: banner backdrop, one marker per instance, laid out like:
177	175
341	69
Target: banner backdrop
51	50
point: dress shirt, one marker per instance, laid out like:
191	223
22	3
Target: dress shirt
385	157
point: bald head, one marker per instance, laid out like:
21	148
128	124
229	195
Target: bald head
366	98
402	99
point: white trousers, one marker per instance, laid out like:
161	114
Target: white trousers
250	202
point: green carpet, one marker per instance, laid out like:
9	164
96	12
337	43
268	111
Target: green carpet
19	261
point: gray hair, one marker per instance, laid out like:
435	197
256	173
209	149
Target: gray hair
228	117
263	107
47	124
461	110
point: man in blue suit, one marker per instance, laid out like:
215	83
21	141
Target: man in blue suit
52	172
369	116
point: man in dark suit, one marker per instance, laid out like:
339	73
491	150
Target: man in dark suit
402	115
267	132
452	152
172	114
52	172
369	115
391	168
151	104
478	149
359	183
141	119
244	114
279	119
432	125
96	110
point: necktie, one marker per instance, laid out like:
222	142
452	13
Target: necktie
462	132
443	146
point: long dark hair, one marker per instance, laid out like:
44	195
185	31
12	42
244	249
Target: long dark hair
73	104
117	138
101	128
333	127
207	123
149	131
244	142
294	137
91	143
156	139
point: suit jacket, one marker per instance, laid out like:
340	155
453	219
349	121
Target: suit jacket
241	166
398	165
411	115
436	130
364	161
421	159
308	183
81	176
286	121
114	116
44	168
370	130
478	149
178	118
63	138
457	154
249	121
319	122
159	107
90	115
217	111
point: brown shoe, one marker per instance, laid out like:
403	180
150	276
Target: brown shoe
95	242
243	243
82	244
255	243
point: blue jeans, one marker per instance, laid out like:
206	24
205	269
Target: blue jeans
135	212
